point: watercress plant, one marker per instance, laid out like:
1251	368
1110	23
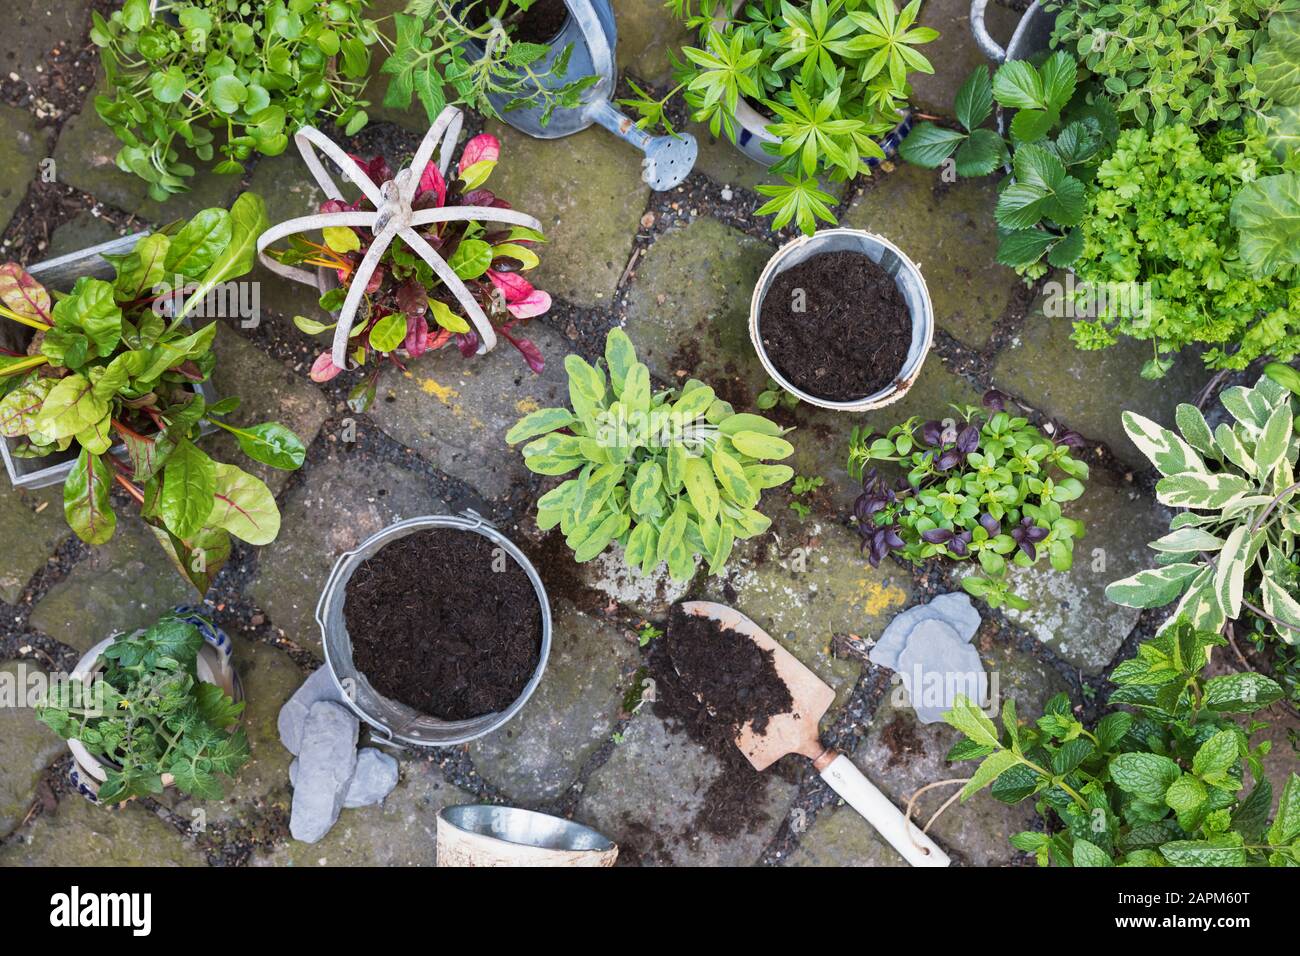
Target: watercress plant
1158	787
985	485
667	474
107	366
230	76
151	716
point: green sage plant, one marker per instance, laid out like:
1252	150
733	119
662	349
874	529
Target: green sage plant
668	474
1238	534
1160	786
1044	200
465	53
151	716
983	485
107	365
831	74
231	76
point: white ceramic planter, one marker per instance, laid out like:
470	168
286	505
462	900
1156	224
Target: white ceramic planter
908	279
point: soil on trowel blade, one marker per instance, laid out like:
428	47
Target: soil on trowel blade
435	625
836	326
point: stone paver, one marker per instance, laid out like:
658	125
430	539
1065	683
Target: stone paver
341	502
85	158
586	190
647	33
402	831
27	746
807	584
840	837
31	526
1070	612
36	29
81	232
651	597
79	833
537	755
646	795
954	53
269	392
121	586
21	149
726	165
948	230
1099	386
449	408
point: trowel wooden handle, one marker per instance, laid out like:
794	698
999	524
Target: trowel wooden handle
878	810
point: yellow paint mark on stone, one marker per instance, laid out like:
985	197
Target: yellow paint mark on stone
877	597
443	393
526	406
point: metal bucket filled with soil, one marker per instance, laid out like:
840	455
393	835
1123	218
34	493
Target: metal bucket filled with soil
842	320
436	629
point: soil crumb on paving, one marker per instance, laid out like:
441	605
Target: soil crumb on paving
444	622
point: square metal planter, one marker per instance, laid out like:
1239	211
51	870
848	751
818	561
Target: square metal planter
60	275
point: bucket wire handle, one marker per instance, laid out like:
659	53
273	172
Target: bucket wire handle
393	218
988	46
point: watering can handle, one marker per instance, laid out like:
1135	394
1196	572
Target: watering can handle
878	810
602	55
988	46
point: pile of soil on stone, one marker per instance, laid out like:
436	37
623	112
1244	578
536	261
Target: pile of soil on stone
712	662
435	627
538	24
836	326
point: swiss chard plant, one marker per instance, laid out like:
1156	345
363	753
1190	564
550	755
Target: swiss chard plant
115	362
188	80
1161	785
983	485
465	52
407	309
1056	140
150	718
668	475
830	74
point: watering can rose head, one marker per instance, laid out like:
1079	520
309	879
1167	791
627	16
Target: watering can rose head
108	365
408	309
668	475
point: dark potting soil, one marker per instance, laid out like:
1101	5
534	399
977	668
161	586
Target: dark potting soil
538	24
699	662
434	626
836	326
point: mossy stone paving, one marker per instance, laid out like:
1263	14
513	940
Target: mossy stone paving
588	745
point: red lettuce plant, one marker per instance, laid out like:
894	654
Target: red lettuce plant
407	309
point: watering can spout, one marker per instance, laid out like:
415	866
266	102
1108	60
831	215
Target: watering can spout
668	159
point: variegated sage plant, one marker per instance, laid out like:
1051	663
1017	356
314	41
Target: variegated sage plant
668	475
1233	548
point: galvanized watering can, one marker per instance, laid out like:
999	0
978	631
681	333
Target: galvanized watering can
590	29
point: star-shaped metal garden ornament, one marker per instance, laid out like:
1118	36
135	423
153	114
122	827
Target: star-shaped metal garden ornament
393	217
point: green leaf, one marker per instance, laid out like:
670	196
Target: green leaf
1222	850
1277	59
967	717
91	308
1266	214
1241	693
189	479
471	258
989	770
981	154
1216	755
244	506
645	488
620	356
762	446
1204	492
193	250
272	444
388	333
228	94
540	422
141	269
701	488
86	504
974	101
731	477
1152	588
1089	854
69	408
1286	823
247	222
1162	447
1017	85
1145	775
928	145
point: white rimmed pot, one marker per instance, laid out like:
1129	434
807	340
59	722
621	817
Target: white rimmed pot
485	835
907	278
398	723
214	666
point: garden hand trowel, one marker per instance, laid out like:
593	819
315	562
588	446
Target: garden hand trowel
796	733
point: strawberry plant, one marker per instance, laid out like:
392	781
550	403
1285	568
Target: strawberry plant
1044	200
407	309
1160	785
150	719
464	53
668	474
109	364
230	76
831	75
984	485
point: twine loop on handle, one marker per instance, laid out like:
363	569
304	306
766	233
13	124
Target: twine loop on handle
392	218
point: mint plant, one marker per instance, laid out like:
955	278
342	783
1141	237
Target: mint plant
450	52
668	474
1044	200
831	74
156	723
982	485
109	364
407	309
234	77
1160	786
